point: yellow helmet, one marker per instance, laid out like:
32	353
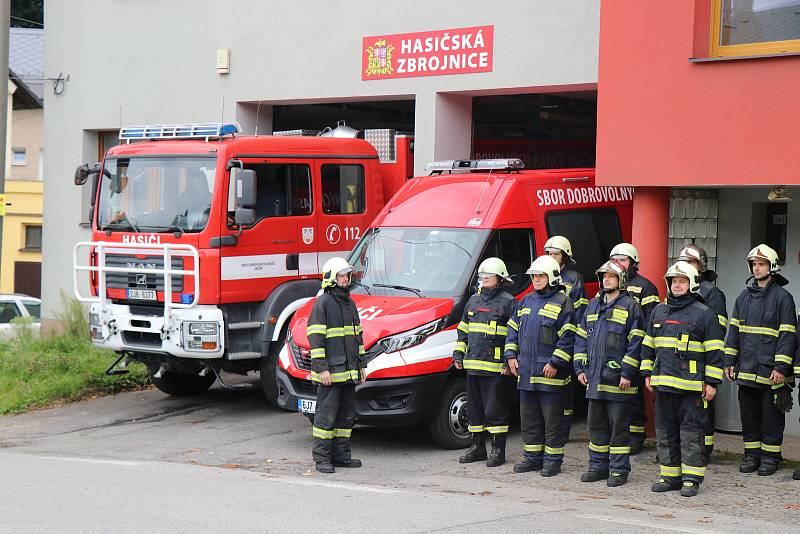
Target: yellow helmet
560	243
767	253
685	269
612	268
333	267
546	265
625	249
494	266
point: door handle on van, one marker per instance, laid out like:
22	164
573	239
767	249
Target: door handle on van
223	241
293	262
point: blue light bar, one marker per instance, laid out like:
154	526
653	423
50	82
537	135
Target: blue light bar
208	130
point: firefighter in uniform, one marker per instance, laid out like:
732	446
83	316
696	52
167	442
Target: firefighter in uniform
759	352
607	347
796	474
644	291
479	351
337	350
682	357
560	249
714	298
539	353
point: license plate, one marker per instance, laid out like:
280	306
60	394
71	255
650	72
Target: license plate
306	405
141	294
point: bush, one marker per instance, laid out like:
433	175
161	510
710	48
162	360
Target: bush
40	370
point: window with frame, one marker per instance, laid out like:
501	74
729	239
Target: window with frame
591	232
19	156
33	237
343	189
283	190
516	247
754	27
8	311
34	308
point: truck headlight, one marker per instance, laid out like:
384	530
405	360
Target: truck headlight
200	336
413	337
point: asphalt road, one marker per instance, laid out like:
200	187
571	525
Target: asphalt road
225	462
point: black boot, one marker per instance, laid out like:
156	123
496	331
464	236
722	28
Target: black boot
527	465
593	475
666	484
617	479
476	451
796	474
498	455
767	467
550	469
690	488
636	448
750	464
325	467
352	462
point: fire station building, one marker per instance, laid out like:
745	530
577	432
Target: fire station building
691	101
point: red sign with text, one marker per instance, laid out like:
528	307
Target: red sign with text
434	53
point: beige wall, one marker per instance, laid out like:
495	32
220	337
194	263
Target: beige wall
27	132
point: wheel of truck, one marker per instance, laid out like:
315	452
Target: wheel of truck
180	384
448	428
269	368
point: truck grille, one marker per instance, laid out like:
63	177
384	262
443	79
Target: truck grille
300	360
135	280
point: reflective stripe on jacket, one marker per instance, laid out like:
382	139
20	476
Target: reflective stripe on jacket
335	335
482	331
761	335
607	347
645	294
683	347
542	331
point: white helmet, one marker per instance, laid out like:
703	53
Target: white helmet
546	265
560	244
612	268
495	266
333	267
766	253
686	269
625	249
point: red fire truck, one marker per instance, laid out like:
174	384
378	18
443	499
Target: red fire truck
416	267
205	242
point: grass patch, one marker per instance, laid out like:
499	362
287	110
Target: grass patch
38	371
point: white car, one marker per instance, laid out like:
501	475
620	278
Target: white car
13	306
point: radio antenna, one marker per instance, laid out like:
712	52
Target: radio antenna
222	114
258	110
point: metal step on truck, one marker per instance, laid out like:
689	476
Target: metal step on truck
205	241
416	266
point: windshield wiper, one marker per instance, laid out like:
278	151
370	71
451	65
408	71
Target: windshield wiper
120	226
417	292
365	286
178	231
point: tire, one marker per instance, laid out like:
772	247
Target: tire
181	385
269	369
448	428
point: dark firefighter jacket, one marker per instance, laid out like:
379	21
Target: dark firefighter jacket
335	334
715	299
607	347
482	331
645	294
683	348
761	334
573	282
542	331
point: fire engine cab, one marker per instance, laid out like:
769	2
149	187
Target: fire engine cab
205	241
416	267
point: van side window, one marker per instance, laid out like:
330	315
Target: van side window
283	190
342	189
592	233
515	246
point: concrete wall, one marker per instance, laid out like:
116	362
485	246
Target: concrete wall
139	65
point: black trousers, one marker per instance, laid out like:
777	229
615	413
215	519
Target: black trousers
762	423
333	422
541	419
569	406
680	435
487	403
711	418
638	418
609	435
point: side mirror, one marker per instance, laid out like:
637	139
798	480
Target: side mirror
246	192
83	172
244	217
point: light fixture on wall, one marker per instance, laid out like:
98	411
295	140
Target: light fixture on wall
779	193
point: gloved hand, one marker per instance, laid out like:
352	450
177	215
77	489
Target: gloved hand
782	399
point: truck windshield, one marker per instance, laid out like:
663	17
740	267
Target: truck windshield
156	194
408	262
